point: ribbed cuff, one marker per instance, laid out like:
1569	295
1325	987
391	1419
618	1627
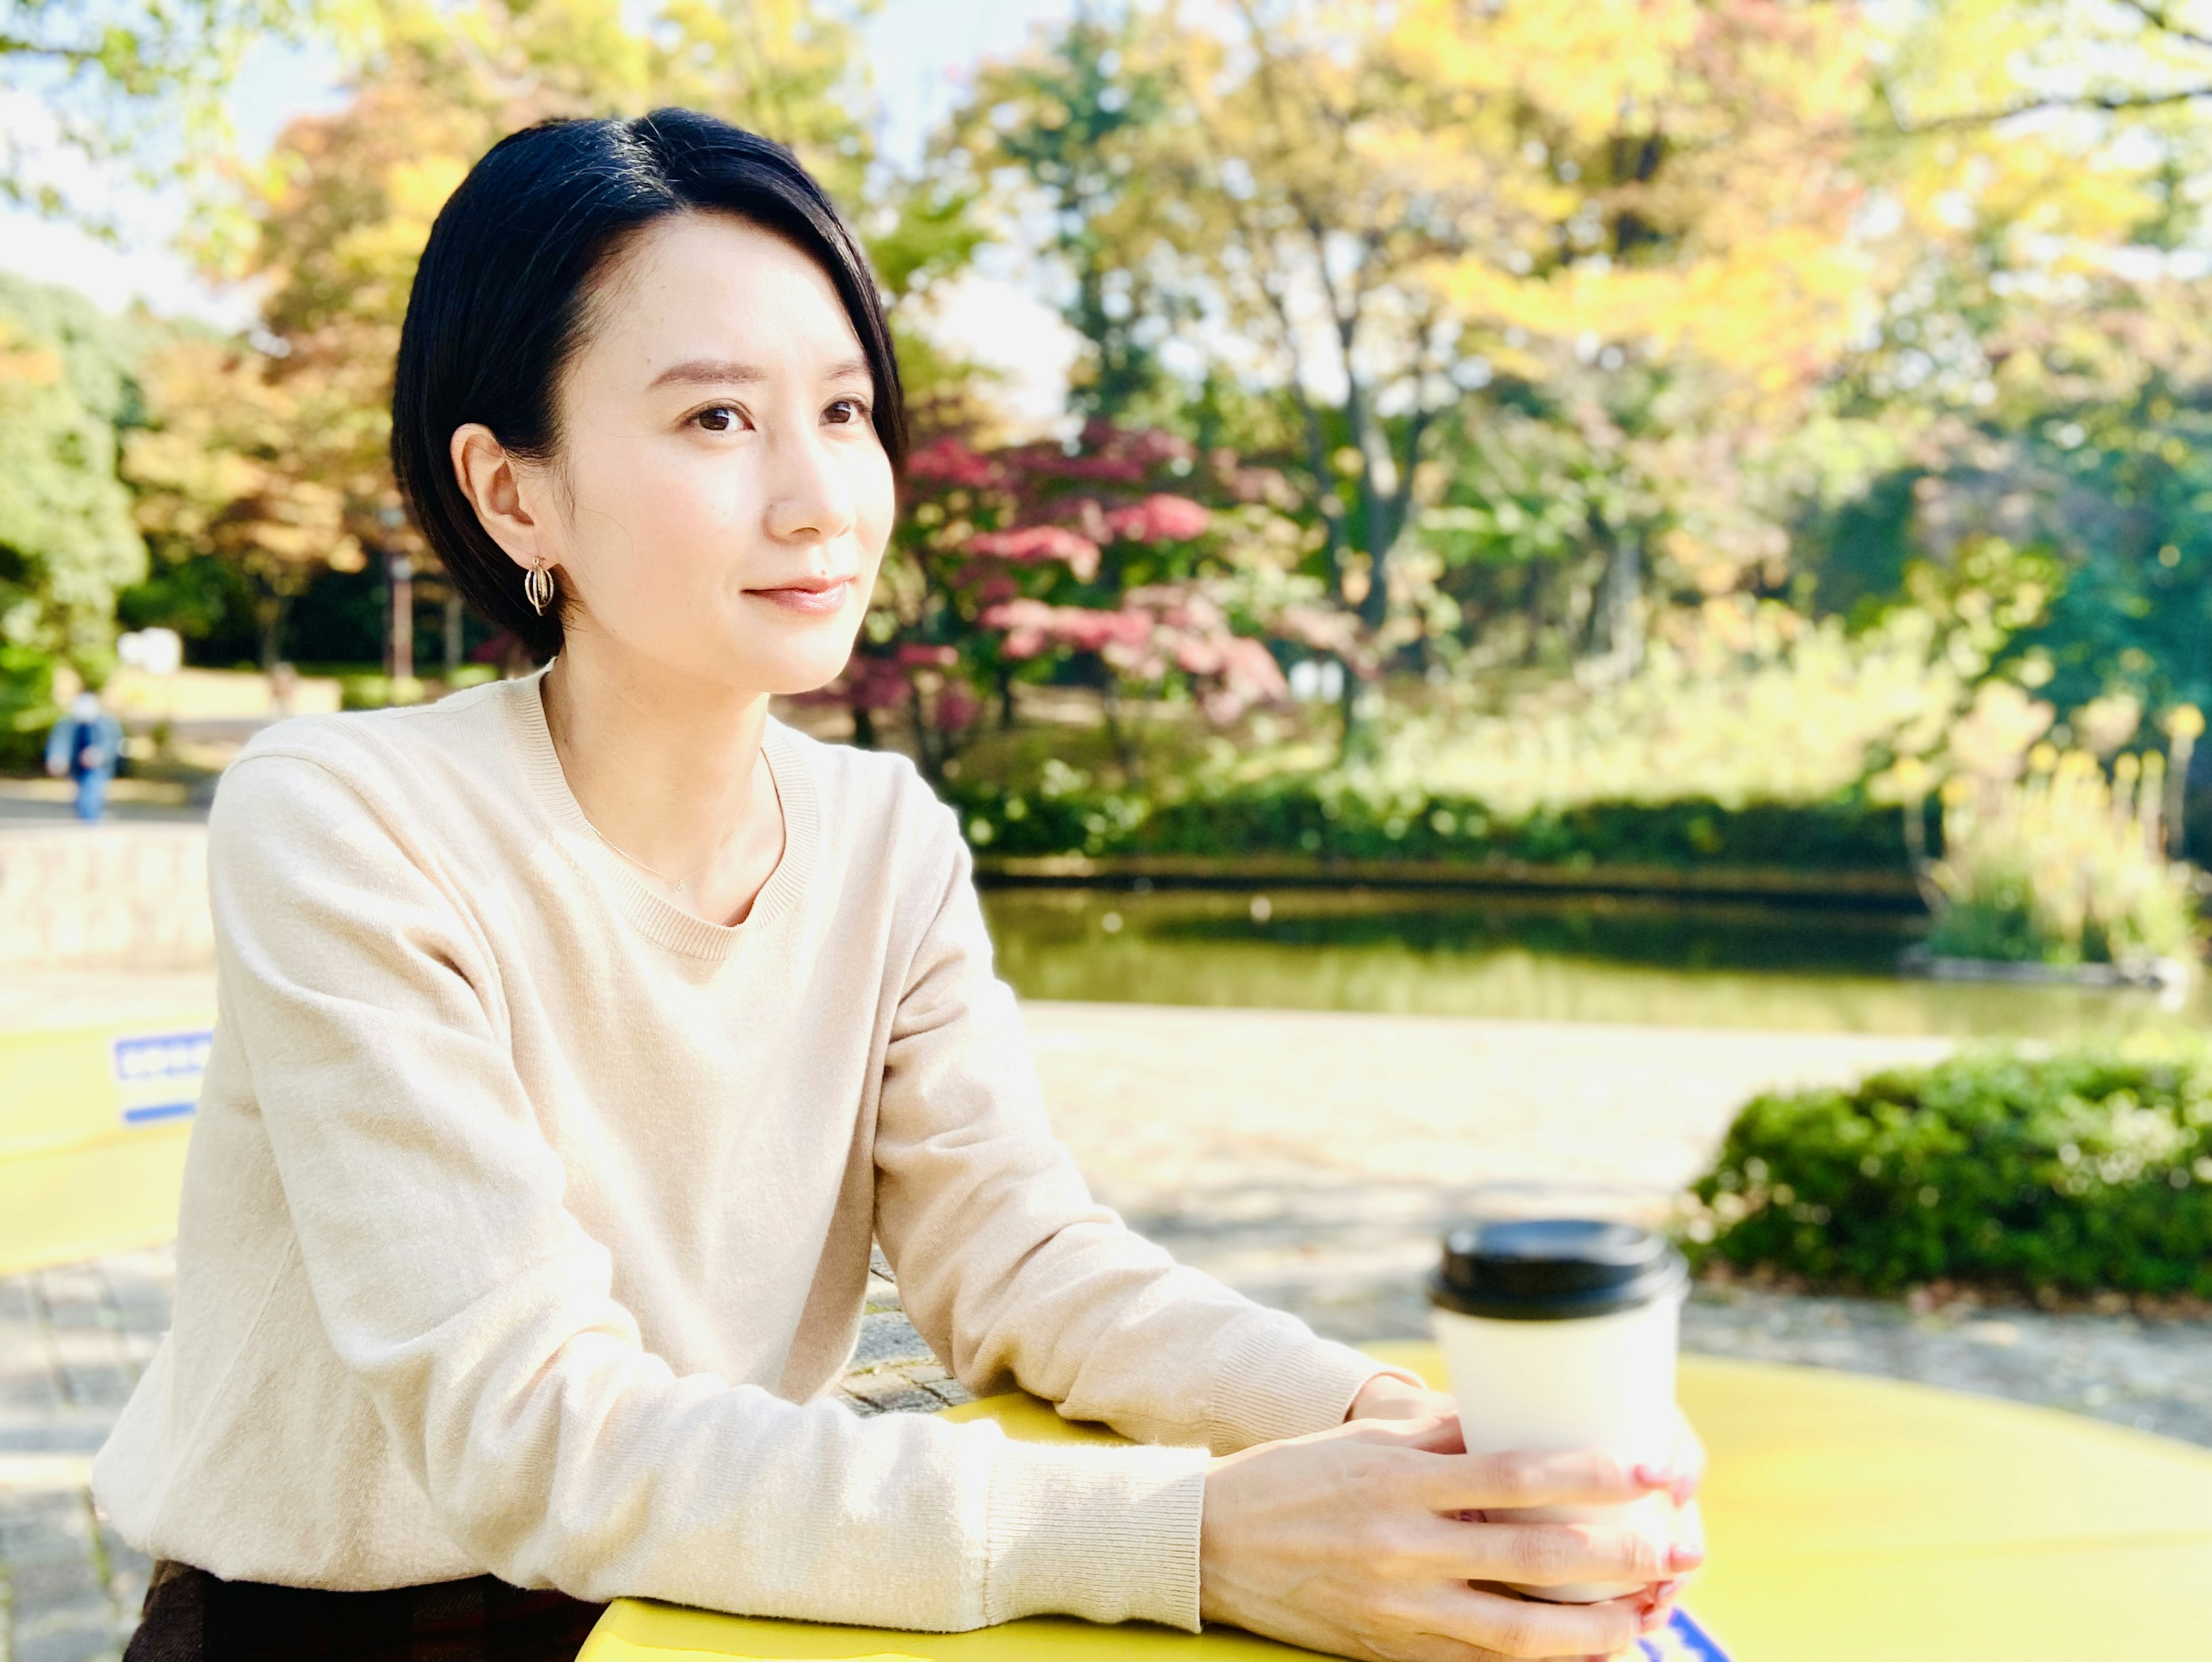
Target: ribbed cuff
1107	1534
1278	1380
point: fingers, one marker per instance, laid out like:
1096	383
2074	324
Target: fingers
1435	1434
1391	1396
1497	1623
1690	1529
1481	1482
1549	1555
1687	1460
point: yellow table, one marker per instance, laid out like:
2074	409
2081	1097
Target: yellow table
1850	1520
93	1126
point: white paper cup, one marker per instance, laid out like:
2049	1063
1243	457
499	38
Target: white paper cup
1561	1334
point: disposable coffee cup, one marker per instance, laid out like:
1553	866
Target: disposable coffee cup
1561	1334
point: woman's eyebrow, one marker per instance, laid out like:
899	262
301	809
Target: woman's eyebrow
727	372
718	372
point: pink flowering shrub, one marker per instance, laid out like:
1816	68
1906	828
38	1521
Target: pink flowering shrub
1098	565
1160	518
1033	543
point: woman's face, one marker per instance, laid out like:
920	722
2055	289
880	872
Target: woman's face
720	501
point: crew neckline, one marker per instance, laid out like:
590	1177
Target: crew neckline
650	911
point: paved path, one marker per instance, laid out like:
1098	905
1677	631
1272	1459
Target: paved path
1313	1158
72	1343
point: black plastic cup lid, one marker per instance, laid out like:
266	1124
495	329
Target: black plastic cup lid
1550	1270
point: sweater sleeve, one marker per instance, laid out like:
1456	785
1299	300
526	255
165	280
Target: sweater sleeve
1014	1274
476	1312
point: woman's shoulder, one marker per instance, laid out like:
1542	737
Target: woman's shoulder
870	803
474	719
404	761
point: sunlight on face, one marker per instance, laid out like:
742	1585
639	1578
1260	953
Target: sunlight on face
724	498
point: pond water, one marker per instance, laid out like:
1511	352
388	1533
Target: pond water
1588	958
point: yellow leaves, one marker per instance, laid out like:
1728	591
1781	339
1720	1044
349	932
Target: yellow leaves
30	366
1582	62
1991	741
1667	176
1585	70
417	189
245	464
1775	309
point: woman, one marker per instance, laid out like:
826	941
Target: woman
577	1033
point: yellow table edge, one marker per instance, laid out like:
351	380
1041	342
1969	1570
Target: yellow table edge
2128	1578
91	1161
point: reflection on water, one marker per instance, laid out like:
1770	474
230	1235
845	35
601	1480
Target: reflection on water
1585	959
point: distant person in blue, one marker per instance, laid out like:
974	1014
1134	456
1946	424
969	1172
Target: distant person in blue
85	745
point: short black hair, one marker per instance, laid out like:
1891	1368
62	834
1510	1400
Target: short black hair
500	302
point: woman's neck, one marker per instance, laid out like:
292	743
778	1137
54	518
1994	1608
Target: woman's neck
668	771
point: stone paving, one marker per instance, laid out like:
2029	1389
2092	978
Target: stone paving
73	1341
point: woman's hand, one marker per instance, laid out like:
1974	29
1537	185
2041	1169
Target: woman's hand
1389	1397
1350	1542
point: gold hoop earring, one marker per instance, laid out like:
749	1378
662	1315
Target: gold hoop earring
537	588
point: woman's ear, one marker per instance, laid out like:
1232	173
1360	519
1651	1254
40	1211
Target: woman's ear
489	480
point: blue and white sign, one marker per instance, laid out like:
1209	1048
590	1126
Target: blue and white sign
160	1074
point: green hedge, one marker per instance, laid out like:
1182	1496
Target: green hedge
1847	834
2085	1171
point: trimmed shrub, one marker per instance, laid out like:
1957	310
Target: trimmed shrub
2085	1171
1070	815
378	691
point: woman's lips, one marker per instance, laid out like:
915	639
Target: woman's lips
808	599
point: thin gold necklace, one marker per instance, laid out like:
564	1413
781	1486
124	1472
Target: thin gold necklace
677	885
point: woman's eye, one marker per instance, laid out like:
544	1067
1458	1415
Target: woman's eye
720	419
845	411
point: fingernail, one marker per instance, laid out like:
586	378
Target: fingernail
1653	1477
1681	1556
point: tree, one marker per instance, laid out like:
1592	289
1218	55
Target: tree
67	543
141	81
228	469
1609	238
2043	354
1093	565
1070	125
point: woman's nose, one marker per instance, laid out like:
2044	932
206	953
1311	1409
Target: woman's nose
810	498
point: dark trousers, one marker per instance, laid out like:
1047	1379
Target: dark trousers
192	1617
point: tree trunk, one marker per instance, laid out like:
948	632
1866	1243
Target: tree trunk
1317	460
1353	742
1375	604
1624	605
1125	750
453	637
924	753
272	611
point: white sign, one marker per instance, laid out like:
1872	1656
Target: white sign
157	651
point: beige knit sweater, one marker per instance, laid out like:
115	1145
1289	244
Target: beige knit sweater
526	1214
